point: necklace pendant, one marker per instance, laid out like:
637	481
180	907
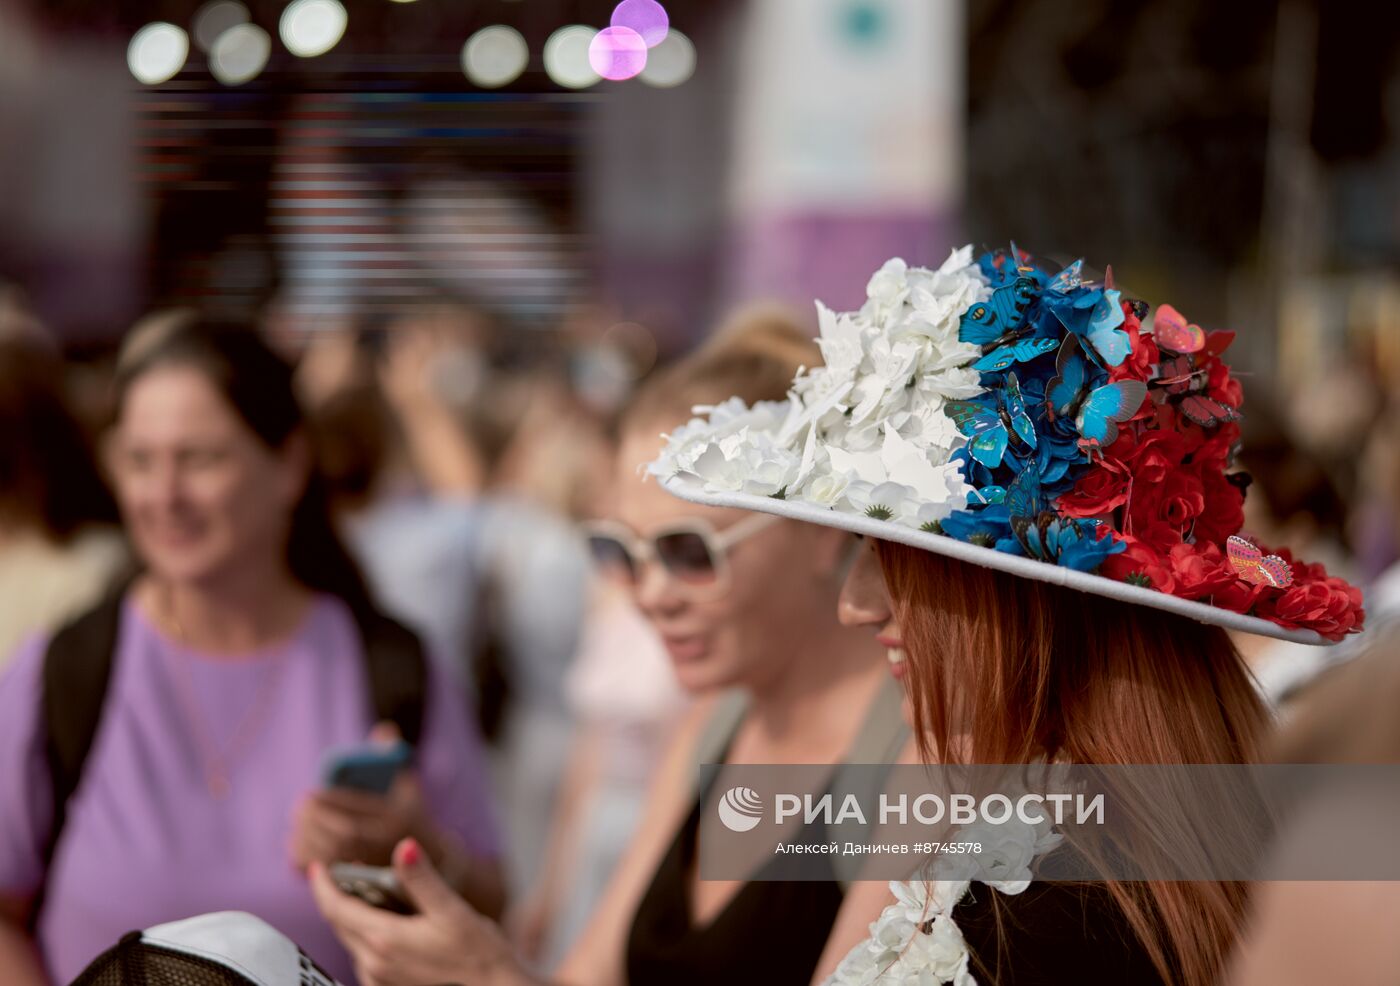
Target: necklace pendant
218	785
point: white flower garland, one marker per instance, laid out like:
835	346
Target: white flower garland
866	432
915	941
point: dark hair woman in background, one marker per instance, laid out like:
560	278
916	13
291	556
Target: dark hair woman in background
235	666
58	547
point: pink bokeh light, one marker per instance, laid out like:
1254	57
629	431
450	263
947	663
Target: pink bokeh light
617	53
647	17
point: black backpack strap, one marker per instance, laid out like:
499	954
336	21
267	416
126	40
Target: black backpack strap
398	673
77	671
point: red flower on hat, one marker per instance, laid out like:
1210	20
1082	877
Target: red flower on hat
1199	570
1315	601
1139	564
1220	385
1238	597
1223	513
1176	500
1130	464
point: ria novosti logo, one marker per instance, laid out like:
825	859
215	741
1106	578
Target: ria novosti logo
740	809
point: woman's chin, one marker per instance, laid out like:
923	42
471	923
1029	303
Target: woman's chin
703	676
185	567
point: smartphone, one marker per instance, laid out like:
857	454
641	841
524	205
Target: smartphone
375	885
370	767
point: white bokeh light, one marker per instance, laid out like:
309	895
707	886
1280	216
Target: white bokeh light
312	27
671	62
495	56
566	57
157	52
240	54
214	18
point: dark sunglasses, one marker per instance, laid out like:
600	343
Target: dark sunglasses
691	552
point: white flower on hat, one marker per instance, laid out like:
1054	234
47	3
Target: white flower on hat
747	462
871	418
826	488
887	290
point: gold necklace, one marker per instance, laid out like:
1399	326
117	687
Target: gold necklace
216	763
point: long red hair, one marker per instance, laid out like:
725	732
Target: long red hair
1007	670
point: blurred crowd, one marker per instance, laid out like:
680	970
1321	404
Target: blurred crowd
242	490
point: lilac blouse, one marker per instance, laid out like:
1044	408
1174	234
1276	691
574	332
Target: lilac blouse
145	842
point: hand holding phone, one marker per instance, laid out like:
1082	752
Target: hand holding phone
375	885
369	767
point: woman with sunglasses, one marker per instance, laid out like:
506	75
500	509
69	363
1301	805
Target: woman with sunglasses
746	608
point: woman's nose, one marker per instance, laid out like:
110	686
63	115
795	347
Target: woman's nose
655	590
864	600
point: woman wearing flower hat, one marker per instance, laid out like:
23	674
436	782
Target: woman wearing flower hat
1053	559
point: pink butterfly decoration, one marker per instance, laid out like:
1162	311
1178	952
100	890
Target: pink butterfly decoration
1170	329
1256	567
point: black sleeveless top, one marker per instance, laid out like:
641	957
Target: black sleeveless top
1052	934
771	932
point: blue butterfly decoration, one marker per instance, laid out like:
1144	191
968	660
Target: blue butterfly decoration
1003	267
1068	279
991	427
987	496
1095	411
1064	540
1045	535
1022	351
1094	313
998	320
1024	497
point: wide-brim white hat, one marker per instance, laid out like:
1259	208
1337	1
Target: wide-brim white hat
689	488
991	393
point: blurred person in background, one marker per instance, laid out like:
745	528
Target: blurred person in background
1293	499
404	479
1303	932
58	546
746	610
624	701
458	492
1376	526
245	650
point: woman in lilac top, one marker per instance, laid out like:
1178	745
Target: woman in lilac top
237	666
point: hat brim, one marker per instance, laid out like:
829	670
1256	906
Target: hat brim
689	488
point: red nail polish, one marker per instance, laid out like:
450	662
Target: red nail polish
410	852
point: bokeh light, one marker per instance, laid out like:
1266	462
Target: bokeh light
671	62
157	52
566	57
647	17
240	54
617	53
214	18
495	56
312	27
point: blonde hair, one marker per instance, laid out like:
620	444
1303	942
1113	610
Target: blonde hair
753	356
